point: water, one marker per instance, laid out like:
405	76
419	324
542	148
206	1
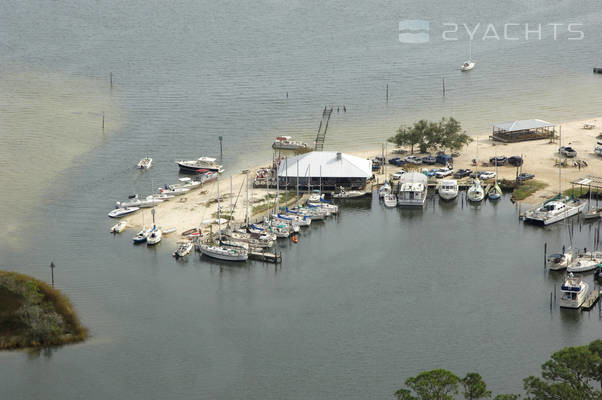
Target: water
359	304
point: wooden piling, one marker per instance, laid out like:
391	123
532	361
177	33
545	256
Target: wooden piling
111	80
545	255
387	93
103	120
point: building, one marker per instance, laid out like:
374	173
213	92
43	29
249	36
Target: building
518	131
330	168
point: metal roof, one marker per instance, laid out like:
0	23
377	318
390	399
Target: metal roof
522	125
332	163
413	177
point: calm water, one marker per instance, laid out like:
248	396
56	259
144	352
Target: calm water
361	302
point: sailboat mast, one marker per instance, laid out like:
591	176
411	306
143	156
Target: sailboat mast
297	183
247	209
231	209
277	191
560	166
219	215
320	194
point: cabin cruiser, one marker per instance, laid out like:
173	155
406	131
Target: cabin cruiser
574	292
207	163
390	200
119	212
412	190
448	189
558	261
475	191
287	143
555	210
586	262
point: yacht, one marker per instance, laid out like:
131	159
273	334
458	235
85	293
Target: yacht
287	143
145	163
390	200
586	262
475	192
448	189
119	212
558	261
574	292
555	210
207	163
412	190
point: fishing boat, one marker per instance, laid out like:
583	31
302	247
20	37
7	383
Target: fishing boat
183	249
448	189
475	192
573	292
390	200
412	190
559	261
585	262
193	166
384	190
287	143
145	163
154	237
468	64
119	212
119	227
555	210
347	194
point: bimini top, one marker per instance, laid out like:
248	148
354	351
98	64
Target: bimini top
328	164
522	125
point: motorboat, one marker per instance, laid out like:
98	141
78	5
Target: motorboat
347	194
162	196
185	183
585	262
412	190
119	212
132	201
554	210
226	253
287	143
448	189
495	192
154	237
559	261
141	236
119	227
384	190
593	213
149	201
145	163
573	292
207	176
173	191
468	64
184	248
475	192
390	200
194	166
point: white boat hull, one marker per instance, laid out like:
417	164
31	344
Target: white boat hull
122	211
534	217
390	201
448	194
221	253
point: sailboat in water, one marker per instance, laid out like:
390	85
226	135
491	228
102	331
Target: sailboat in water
495	192
468	64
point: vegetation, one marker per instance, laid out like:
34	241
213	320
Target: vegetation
446	134
583	192
573	373
285	198
34	314
525	189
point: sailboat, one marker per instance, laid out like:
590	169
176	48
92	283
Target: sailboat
468	64
495	192
475	192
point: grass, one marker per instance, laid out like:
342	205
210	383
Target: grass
525	189
284	199
583	192
33	314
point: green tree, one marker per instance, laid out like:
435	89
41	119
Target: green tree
474	387
453	137
438	384
507	397
406	137
445	134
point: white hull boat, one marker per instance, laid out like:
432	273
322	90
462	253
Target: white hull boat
585	262
141	236
412	190
145	163
390	200
558	262
224	253
119	212
384	190
348	194
573	292
184	248
448	189
194	166
555	210
155	237
174	192
475	193
150	201
119	227
286	143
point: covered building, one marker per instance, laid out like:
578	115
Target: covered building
331	168
518	131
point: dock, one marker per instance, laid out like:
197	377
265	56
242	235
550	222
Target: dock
591	300
275	258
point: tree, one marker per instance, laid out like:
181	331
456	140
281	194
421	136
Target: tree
406	137
474	387
438	384
507	397
445	134
453	137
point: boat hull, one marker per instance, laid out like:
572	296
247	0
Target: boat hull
192	169
555	218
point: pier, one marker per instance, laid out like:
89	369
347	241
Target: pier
591	300
265	256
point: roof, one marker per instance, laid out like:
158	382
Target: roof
413	177
328	164
522	125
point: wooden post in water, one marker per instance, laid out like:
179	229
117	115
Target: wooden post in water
554	293
103	120
52	266
545	254
443	79
221	155
111	79
550	300
387	93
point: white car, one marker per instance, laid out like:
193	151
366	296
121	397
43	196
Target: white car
397	175
412	160
443	172
567	151
487	175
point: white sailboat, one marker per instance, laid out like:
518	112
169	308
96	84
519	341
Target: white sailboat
468	64
475	192
154	237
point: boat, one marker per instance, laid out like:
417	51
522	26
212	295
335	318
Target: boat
495	192
169	230
154	237
585	262
390	200
119	227
598	149
592	214
412	190
347	194
384	190
573	292
207	176
145	163
559	261
194	166
173	191
119	212
149	201
475	192
287	143
554	210
315	198
301	220
448	189
132	201
141	236
185	183
468	64
184	248
162	196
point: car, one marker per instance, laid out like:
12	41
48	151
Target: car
462	173
567	151
515	161
397	161
484	175
430	160
524	177
443	172
430	172
444	159
498	160
413	160
397	175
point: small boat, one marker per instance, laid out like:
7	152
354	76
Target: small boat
184	248
287	143
592	214
390	200
558	261
141	236
173	191
149	201
448	189
475	192
163	196
145	163
598	149
384	190
573	292
193	166
185	183
301	220
554	210
347	194
207	176
119	227
468	64
315	198
154	237
585	262
169	230
495	192
119	212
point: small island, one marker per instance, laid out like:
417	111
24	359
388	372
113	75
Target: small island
33	314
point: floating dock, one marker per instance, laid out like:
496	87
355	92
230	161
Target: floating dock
275	258
591	300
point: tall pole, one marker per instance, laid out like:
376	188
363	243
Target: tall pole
221	154
219	215
247	210
297	183
231	209
277	191
52	272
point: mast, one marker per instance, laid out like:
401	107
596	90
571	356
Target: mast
297	183
560	166
219	216
231	210
320	194
247	209
277	191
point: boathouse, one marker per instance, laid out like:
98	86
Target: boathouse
330	168
518	131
